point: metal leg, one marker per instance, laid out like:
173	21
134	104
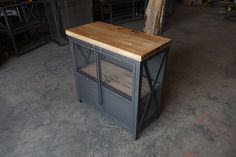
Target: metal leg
10	33
72	48
14	44
136	96
161	78
99	81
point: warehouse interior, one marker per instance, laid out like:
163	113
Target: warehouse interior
41	116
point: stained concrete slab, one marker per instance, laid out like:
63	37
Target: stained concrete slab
40	116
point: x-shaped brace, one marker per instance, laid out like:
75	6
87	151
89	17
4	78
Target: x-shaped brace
30	10
152	86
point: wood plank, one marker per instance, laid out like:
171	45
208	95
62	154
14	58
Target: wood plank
116	77
129	43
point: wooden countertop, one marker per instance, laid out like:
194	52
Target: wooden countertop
129	43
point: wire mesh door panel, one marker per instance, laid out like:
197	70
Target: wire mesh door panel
86	61
117	80
87	73
117	75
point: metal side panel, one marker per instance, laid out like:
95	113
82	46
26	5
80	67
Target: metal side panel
154	109
118	107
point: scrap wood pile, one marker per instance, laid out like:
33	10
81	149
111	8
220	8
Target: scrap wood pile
155	16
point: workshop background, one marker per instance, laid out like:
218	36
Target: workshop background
40	115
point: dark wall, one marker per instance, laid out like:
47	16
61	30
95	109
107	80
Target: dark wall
75	12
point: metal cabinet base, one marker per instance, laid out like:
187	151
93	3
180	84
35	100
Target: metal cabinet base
127	90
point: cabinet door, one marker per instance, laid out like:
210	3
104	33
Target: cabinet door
117	87
87	73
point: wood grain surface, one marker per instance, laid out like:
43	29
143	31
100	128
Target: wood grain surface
116	77
129	43
155	14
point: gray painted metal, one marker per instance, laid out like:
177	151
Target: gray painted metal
134	114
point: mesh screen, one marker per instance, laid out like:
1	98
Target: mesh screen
117	76
85	61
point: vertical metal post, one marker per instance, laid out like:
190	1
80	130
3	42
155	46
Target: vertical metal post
110	10
74	61
56	17
10	32
47	16
98	70
136	98
162	80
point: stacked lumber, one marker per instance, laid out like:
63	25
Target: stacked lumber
155	16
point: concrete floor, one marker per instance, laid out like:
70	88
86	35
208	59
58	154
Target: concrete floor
40	116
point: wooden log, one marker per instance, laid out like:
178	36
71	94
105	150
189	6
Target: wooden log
162	17
155	16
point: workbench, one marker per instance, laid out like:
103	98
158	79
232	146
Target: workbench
119	71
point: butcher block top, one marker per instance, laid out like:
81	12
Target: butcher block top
126	42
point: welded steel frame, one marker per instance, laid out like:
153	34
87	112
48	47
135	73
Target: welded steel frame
135	121
54	22
122	15
28	20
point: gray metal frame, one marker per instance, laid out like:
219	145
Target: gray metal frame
121	15
133	115
54	22
27	21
